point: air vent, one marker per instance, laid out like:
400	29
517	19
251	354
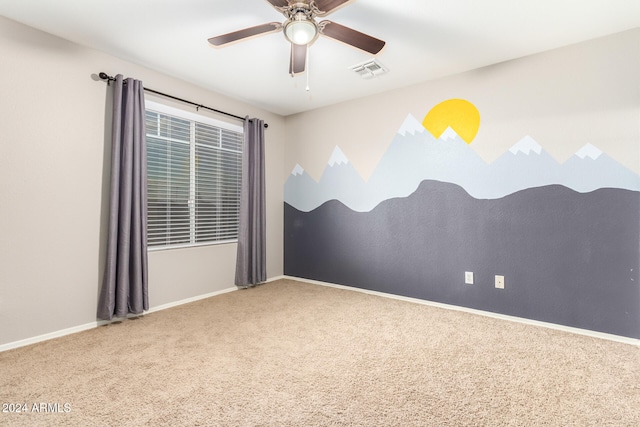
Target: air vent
369	69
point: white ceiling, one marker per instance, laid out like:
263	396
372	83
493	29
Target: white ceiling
426	39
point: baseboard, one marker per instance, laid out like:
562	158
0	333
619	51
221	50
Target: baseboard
586	332
188	300
91	325
51	335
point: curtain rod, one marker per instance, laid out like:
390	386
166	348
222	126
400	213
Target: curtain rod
109	79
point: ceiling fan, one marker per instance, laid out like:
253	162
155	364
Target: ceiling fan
301	29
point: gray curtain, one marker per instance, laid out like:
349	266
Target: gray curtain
251	266
124	285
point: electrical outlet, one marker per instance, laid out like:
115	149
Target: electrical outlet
499	282
468	277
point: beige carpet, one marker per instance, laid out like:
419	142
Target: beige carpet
294	354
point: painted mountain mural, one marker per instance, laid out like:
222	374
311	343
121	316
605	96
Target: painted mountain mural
415	155
565	236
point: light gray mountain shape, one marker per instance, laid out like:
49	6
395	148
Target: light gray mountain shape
300	191
585	174
415	155
525	165
410	160
341	182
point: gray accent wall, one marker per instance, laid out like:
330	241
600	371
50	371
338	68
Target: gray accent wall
547	195
567	258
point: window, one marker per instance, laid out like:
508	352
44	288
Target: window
194	166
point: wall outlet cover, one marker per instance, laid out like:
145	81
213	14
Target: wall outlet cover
468	277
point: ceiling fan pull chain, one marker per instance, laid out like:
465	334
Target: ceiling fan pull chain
307	68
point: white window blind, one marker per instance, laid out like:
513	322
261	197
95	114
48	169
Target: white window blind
194	167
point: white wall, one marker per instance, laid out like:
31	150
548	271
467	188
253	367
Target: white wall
53	197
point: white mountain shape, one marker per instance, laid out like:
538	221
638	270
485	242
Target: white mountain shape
297	170
338	157
448	134
526	145
589	151
410	125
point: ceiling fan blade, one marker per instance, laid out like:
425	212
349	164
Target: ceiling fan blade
327	6
351	37
235	36
279	4
298	59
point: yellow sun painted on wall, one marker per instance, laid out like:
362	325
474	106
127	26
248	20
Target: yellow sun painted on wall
458	114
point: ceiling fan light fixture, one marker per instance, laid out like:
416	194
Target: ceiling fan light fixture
300	30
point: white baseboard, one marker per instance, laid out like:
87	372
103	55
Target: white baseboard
51	335
91	325
586	332
188	300
97	323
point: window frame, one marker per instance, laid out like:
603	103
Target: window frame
162	108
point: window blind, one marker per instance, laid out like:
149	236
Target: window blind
194	174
